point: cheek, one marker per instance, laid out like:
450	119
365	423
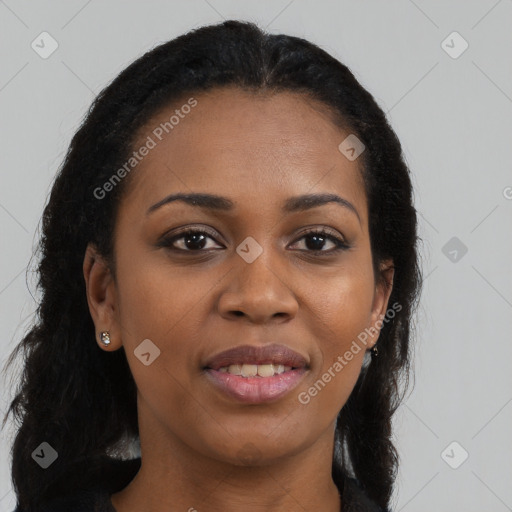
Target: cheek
342	309
159	305
340	317
153	299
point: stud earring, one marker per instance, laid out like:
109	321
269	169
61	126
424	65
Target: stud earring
105	338
375	351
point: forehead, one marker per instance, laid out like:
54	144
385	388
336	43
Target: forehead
257	146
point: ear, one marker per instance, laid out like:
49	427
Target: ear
383	289
101	297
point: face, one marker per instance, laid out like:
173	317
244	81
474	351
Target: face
256	269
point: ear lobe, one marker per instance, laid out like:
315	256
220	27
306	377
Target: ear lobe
101	295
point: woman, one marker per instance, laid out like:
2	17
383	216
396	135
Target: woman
234	225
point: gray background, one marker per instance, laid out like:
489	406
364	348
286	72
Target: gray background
454	118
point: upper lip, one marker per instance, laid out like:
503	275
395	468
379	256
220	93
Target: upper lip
250	354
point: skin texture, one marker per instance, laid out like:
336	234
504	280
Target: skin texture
256	150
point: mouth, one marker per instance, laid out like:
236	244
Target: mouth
254	375
255	370
246	357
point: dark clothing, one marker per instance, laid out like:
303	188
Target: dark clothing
120	473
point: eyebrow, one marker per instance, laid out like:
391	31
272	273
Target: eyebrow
220	203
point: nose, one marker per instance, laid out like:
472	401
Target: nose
259	291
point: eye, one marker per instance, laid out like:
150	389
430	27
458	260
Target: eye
191	240
317	238
196	240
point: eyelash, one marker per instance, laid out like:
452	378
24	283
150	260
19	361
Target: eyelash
168	241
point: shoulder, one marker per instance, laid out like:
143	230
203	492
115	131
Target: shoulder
95	496
356	500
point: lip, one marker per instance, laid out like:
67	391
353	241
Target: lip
254	390
250	354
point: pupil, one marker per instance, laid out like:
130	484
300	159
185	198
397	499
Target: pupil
317	238
196	238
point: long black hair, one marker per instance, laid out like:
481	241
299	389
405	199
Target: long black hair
82	400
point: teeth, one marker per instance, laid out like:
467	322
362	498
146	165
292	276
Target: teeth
265	370
253	370
249	370
235	369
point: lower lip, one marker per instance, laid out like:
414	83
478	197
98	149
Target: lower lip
255	390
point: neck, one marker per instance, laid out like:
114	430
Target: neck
173	476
